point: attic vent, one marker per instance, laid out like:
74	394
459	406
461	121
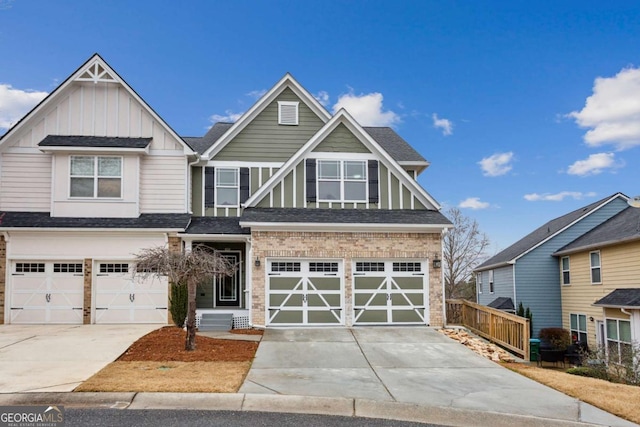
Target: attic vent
96	73
287	113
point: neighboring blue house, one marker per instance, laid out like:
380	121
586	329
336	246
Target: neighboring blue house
527	272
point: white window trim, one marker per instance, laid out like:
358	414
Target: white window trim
562	271
95	178
342	180
491	283
288	104
592	267
618	340
571	330
479	282
216	186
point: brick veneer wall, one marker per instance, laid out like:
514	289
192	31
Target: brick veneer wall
346	246
3	276
88	280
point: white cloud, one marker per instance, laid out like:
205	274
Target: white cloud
228	117
443	124
367	109
497	164
594	164
612	112
255	94
15	103
473	203
558	197
322	97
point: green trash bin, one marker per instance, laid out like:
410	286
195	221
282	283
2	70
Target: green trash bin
534	349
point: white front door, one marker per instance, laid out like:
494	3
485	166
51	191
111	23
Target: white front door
47	292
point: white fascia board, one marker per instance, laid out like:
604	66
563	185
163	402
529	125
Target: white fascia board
215	237
75	76
94	150
261	104
303	226
245	164
91	229
606	202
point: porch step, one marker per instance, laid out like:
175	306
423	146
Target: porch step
216	322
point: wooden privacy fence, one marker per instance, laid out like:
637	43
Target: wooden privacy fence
507	330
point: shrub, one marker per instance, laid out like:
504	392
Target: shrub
178	304
586	371
557	338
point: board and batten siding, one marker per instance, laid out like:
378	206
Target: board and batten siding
264	140
502	285
538	272
102	109
162	184
25	183
619	269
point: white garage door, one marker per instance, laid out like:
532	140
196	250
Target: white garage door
122	299
304	292
46	292
390	292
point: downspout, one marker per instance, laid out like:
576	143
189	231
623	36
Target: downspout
7	293
199	161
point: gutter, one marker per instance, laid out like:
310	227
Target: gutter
597	245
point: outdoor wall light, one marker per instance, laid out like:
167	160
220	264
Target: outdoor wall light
257	262
590	318
437	263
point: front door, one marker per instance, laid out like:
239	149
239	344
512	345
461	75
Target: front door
227	288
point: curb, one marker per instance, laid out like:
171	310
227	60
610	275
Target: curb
339	406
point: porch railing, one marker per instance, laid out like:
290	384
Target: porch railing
507	330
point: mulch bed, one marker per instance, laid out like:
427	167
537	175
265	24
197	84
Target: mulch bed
167	344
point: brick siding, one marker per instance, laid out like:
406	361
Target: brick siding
3	276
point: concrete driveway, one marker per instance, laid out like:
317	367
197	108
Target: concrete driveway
59	357
415	365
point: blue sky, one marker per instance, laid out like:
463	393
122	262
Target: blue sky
526	110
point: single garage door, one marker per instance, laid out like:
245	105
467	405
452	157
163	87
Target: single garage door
390	292
122	299
304	292
46	292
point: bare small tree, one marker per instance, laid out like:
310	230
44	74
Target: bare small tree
463	248
189	269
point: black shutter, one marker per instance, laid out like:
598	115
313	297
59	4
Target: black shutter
373	181
311	180
209	187
244	184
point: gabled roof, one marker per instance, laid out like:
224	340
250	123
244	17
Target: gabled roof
395	145
285	82
93	141
623	227
95	69
343	117
42	220
543	234
216	225
203	143
621	298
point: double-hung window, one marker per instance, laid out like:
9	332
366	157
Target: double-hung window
596	277
566	276
619	340
578	323
479	282
227	187
491	288
96	177
342	180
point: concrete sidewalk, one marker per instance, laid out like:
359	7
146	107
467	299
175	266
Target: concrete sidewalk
60	357
405	365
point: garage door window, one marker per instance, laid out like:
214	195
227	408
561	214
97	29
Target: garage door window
30	267
362	267
67	267
114	268
282	267
323	267
407	266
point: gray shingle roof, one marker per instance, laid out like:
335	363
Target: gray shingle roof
621	298
540	234
93	141
393	144
388	139
502	303
202	144
339	216
621	227
216	225
44	220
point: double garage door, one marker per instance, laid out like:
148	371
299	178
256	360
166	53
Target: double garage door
312	292
53	292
